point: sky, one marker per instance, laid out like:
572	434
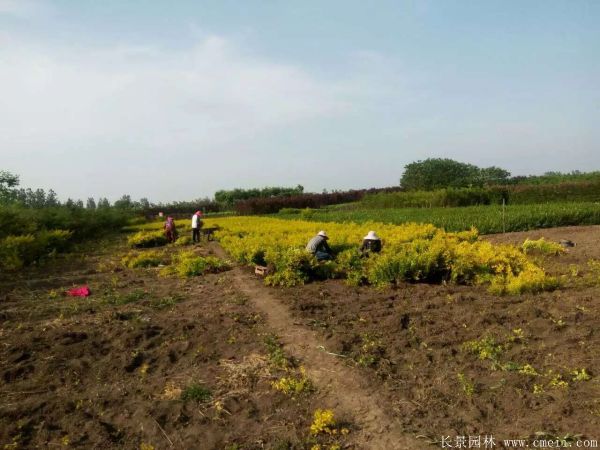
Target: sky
175	100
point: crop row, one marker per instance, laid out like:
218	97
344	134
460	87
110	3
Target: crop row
411	252
487	219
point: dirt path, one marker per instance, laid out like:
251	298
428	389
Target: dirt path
343	388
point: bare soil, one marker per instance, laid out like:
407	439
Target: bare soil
108	371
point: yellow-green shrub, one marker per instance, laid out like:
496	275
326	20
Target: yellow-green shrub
291	266
411	252
293	385
144	259
183	240
188	264
543	246
530	279
145	239
19	251
323	422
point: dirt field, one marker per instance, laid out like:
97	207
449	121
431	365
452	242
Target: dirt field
154	362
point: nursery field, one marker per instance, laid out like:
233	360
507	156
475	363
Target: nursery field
443	336
487	218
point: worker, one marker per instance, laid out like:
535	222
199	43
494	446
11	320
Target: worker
371	244
318	246
170	230
196	225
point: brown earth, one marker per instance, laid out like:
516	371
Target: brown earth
108	371
410	342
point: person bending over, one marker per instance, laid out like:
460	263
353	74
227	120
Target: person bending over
318	246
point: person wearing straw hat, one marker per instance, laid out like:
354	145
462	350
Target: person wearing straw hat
371	244
318	246
196	225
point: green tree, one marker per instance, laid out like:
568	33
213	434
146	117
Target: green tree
8	184
437	173
228	198
103	203
124	202
493	175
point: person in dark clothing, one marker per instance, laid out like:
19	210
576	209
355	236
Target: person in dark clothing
370	244
318	246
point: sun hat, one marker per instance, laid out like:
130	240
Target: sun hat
322	233
372	236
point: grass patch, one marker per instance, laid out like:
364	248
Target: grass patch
166	302
276	354
196	392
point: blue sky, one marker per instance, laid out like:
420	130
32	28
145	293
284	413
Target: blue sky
174	100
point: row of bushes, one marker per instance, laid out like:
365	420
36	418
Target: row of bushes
28	235
83	223
517	194
19	251
411	252
487	218
274	204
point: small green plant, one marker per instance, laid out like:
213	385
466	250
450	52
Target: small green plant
594	266
124	299
166	302
370	351
196	392
538	389
276	354
183	240
542	246
528	369
517	335
580	375
467	385
557	382
485	348
574	270
558	323
323	422
294	385
149	258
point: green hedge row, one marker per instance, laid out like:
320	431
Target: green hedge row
19	251
493	195
28	234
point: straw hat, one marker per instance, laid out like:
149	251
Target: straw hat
322	233
372	236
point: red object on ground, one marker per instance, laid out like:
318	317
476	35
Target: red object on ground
82	291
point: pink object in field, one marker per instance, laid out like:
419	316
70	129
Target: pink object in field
82	291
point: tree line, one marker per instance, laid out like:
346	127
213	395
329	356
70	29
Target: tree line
440	173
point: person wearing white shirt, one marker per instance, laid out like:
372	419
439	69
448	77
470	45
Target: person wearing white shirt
196	225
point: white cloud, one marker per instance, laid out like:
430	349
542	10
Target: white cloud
207	94
98	112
